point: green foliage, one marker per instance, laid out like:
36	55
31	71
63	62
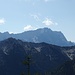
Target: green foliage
22	74
28	63
37	74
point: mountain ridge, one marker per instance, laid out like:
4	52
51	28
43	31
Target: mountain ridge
45	56
40	35
13	52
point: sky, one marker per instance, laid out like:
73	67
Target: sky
17	16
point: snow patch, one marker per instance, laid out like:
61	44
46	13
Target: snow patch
35	39
70	53
38	49
50	57
5	50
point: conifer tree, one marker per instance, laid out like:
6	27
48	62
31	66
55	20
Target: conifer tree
28	63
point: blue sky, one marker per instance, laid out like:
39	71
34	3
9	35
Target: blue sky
22	15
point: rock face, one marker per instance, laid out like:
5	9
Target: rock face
44	56
40	35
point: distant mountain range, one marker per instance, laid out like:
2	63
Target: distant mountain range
40	35
44	57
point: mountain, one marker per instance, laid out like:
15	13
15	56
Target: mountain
68	68
44	57
40	35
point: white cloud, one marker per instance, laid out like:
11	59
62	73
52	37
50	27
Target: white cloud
35	1
48	22
49	0
29	27
2	21
46	0
13	32
36	17
56	23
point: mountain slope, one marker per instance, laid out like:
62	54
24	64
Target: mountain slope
67	68
44	56
40	35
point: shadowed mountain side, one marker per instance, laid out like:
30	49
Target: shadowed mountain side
68	68
44	56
